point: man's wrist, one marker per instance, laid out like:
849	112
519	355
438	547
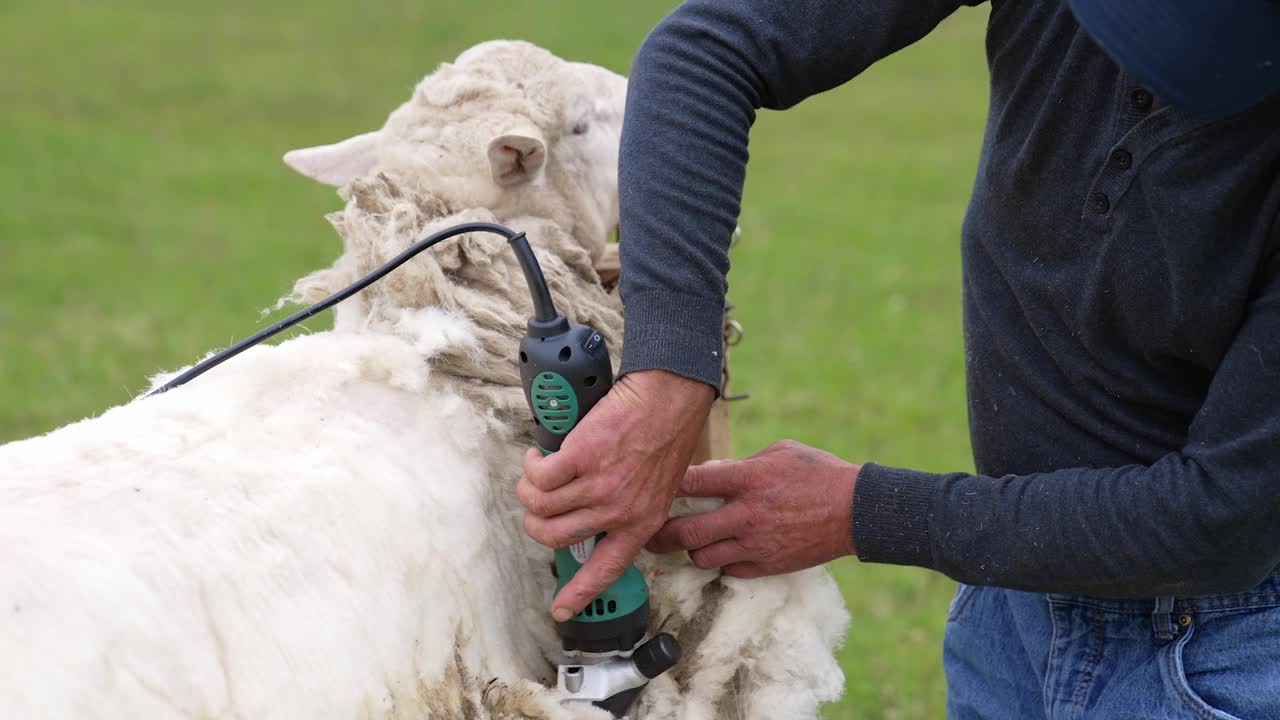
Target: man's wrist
848	492
683	392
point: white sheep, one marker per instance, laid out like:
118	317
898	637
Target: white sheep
328	528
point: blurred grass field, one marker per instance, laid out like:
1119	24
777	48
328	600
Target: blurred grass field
145	217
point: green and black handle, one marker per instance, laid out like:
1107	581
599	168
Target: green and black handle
565	370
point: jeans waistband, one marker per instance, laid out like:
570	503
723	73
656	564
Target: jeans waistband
1265	594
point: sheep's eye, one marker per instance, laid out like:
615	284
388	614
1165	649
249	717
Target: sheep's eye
579	129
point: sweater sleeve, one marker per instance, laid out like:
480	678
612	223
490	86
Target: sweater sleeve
695	85
1203	519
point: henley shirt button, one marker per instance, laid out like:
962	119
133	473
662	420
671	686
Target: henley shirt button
1122	159
1141	100
1100	202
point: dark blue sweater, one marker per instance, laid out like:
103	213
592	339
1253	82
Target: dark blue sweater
1121	291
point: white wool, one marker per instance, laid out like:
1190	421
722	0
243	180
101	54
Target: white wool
328	528
257	546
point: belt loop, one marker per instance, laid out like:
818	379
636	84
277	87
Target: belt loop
1162	623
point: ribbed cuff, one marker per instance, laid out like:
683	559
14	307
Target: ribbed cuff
892	510
683	334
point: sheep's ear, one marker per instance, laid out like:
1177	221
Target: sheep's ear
516	159
336	164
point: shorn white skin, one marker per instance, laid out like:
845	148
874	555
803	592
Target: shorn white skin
328	528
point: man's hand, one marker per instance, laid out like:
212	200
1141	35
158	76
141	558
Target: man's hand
616	472
786	508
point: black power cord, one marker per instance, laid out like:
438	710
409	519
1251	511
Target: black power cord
544	309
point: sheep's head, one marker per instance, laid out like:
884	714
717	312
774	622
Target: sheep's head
507	126
507	133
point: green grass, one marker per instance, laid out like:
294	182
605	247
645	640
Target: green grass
145	217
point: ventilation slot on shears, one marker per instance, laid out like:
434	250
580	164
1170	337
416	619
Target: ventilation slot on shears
555	405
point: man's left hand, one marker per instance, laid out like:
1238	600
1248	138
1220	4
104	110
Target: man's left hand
786	508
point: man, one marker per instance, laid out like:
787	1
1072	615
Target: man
1121	261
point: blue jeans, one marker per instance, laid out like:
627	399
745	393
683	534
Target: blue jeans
1020	655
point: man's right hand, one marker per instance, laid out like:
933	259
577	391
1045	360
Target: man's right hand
616	472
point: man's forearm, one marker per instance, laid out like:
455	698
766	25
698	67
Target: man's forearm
1118	532
1205	518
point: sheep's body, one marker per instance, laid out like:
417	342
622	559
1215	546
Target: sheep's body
258	547
328	528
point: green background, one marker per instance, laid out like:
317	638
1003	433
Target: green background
145	218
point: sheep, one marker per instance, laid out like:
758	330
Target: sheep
327	528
